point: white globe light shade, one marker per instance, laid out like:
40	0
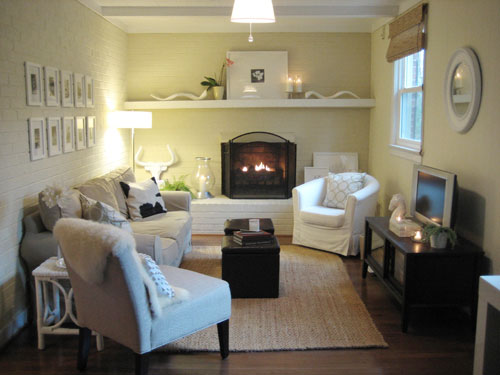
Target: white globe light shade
253	11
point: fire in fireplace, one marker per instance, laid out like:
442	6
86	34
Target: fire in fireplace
258	165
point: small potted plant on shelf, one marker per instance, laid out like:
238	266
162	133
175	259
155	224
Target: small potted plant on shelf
439	236
217	84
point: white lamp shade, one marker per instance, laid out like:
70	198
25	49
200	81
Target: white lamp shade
253	11
131	119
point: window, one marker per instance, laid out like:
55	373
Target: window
408	89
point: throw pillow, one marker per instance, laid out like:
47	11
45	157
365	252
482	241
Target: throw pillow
55	202
340	186
163	288
143	199
103	213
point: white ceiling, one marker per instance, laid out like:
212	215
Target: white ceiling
194	16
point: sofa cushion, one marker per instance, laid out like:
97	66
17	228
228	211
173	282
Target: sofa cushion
340	186
103	213
143	199
65	203
175	225
114	177
99	189
323	216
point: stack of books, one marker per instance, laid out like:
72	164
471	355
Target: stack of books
246	238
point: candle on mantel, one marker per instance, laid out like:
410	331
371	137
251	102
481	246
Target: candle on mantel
298	84
289	85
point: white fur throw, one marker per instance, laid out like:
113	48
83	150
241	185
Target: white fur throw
86	246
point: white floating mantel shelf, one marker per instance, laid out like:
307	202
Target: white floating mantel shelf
255	103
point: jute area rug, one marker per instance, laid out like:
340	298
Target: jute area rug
318	308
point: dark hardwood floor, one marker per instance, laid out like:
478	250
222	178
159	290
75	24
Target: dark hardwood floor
438	342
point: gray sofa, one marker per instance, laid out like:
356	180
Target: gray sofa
165	237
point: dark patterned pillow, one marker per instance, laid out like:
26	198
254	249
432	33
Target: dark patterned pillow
143	199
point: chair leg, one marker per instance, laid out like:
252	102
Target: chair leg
141	364
83	348
223	331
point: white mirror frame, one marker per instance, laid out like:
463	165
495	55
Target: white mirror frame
466	56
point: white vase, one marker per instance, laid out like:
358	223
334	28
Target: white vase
218	92
439	241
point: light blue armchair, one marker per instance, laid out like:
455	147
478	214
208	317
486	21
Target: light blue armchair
111	297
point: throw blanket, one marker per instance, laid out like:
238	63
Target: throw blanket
86	246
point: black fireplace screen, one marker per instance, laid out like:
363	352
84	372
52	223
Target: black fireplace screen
258	165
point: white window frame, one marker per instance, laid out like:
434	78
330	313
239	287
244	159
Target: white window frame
404	147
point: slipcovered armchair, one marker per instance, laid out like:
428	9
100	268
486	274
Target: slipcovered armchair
332	229
114	292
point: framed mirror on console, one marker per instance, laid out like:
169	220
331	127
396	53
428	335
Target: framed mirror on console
462	89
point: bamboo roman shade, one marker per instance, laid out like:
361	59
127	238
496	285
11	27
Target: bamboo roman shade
407	33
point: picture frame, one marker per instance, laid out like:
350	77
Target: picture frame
67	89
33	78
336	162
51	79
68	134
79	85
54	136
91	131
81	138
37	138
89	92
312	173
257	75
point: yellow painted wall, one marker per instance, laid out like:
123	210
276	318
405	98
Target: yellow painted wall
66	35
473	156
164	64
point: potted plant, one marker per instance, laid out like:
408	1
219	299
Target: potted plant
439	236
177	185
217	84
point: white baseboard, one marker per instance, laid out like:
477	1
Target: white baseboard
13	327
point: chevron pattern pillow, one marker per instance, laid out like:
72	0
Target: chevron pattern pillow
340	186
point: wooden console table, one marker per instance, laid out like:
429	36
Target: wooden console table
420	276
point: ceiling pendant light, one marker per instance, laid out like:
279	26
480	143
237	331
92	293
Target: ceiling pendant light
253	11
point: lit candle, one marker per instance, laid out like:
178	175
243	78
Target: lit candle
398	219
418	236
203	185
298	84
289	85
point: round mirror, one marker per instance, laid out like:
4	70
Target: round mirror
463	89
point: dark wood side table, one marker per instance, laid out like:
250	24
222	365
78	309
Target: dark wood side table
420	276
252	271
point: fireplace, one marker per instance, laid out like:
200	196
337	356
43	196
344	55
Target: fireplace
258	165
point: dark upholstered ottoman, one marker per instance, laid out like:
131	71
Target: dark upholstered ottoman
234	225
251	271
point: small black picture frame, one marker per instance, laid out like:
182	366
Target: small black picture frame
257	76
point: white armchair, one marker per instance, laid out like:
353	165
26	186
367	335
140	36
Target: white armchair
332	229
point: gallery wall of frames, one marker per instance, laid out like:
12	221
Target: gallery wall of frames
51	87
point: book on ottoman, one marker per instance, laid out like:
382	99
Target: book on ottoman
252	238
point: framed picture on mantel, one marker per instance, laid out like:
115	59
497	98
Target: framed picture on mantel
257	75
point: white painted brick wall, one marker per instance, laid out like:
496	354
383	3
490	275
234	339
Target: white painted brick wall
66	35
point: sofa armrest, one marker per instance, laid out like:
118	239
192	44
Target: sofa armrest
177	200
309	194
33	223
149	244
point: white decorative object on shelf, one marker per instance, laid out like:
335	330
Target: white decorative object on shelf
398	207
334	96
182	95
156	168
